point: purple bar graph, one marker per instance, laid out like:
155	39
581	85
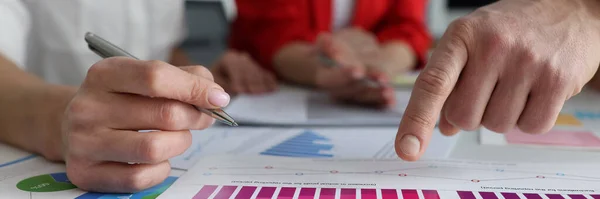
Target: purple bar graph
286	193
348	194
466	195
246	192
555	196
327	193
307	193
510	196
488	195
205	192
266	193
577	196
225	192
532	196
595	196
431	194
389	194
410	194
368	193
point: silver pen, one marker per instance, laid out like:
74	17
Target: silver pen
106	49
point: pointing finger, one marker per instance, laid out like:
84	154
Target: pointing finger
431	90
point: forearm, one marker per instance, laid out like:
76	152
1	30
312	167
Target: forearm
31	111
397	58
297	63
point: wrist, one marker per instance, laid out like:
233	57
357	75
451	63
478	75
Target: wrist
51	105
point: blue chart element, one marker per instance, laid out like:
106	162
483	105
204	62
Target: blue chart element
582	115
150	193
17	161
60	177
302	145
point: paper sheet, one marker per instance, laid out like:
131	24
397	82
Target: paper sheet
295	106
559	138
23	175
276	177
366	142
576	128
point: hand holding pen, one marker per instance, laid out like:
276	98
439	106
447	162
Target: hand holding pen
121	96
106	49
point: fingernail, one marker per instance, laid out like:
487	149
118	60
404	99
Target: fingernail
410	145
218	97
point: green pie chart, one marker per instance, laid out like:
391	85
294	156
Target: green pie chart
46	183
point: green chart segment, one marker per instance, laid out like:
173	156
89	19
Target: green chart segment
46	183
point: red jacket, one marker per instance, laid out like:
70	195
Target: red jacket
262	27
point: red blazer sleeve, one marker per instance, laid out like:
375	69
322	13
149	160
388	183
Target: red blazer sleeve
405	21
263	27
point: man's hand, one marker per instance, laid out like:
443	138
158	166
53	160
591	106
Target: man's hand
121	96
239	73
344	80
510	64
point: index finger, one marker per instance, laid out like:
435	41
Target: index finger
155	79
432	88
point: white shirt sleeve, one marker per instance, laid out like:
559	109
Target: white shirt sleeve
15	25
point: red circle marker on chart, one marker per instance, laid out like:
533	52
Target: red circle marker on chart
402	175
475	180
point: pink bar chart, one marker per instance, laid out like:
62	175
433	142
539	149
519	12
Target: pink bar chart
253	192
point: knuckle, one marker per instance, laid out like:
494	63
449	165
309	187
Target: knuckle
153	75
199	91
150	149
497	127
79	179
77	112
500	40
200	70
77	105
557	79
531	56
461	26
171	115
96	71
434	81
420	119
534	128
462	120
538	124
137	180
